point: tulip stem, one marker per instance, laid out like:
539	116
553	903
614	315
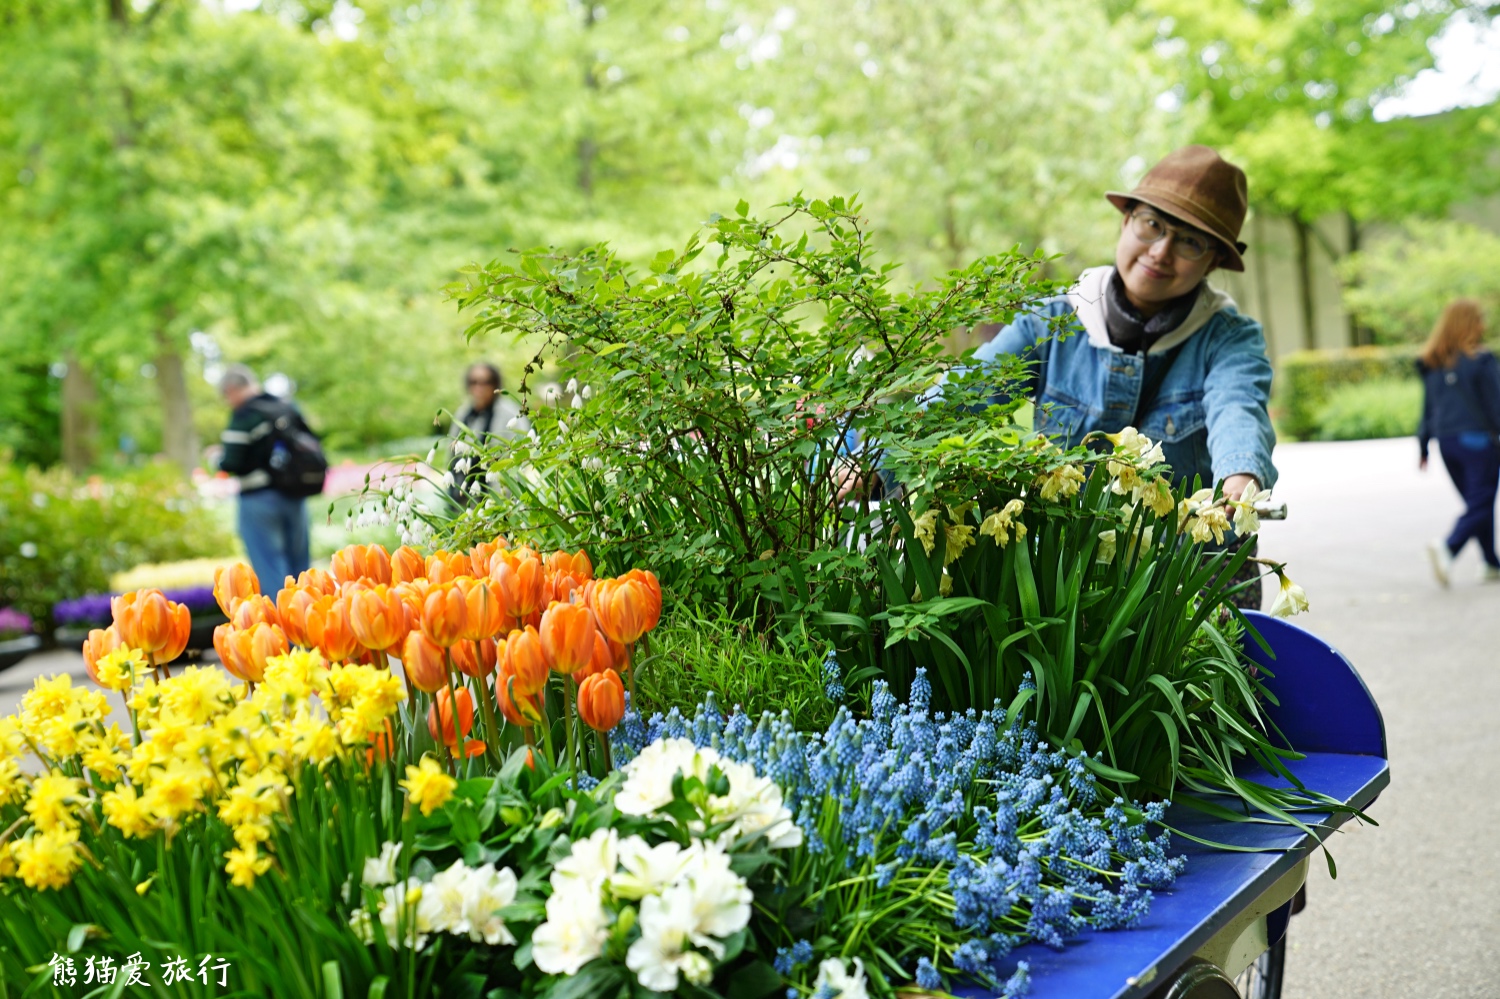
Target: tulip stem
487	709
570	692
443	729
630	669
609	763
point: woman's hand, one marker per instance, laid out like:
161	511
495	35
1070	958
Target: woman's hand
1234	486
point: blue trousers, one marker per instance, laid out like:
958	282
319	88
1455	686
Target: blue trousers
273	526
1473	463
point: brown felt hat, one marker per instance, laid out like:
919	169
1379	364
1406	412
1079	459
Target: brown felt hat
1198	186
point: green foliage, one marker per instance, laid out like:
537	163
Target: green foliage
63	537
721	408
1383	407
694	653
1399	284
1308	378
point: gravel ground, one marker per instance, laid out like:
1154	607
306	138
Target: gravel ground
1415	911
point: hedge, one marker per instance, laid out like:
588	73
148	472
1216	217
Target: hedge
1306	378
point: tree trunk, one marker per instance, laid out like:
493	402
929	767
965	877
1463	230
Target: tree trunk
179	440
1305	282
1263	283
78	430
1358	335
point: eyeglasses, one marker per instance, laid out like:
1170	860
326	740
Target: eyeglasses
480	381
1189	244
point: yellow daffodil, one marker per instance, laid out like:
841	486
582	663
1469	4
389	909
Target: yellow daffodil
999	525
127	812
924	529
427	786
957	538
53	802
12	786
245	865
1062	482
47	859
118	670
1290	600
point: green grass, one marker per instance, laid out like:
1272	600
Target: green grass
692	653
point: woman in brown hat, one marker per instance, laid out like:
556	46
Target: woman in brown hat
1153	344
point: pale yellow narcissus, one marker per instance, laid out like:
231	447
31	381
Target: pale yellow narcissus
427	786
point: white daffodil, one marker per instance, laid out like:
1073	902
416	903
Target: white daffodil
485	892
1246	519
998	525
1211	522
663	951
1107	542
401	915
924	529
1291	600
592	862
845	983
381	870
720	898
441	908
756	807
645	869
573	934
648	777
1129	441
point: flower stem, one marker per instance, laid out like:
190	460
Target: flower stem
487	709
569	692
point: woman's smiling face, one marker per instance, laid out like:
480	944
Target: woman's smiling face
1153	272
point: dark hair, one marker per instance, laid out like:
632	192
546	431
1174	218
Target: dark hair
493	371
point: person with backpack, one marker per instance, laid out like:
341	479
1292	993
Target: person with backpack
1461	410
1153	344
279	463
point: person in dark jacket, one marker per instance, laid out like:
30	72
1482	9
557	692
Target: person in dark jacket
1461	410
487	413
272	524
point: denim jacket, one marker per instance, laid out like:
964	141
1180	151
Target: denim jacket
1210	409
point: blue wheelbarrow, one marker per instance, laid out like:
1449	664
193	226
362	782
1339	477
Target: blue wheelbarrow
1220	931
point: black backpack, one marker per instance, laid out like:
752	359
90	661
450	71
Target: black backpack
298	466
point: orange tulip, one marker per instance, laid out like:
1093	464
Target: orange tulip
294	604
567	634
518	708
245	651
232	584
485	617
623	608
442	708
444	615
414	593
378	617
527	661
367	563
318	582
180	630
576	565
425	667
523	586
130	619
465	662
255	609
481	555
607	655
328	628
445	567
407	564
100	643
601	701
653	590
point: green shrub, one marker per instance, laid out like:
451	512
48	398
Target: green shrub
693	653
1382	407
1308	377
63	537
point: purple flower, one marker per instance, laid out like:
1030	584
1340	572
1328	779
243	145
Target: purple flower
13	622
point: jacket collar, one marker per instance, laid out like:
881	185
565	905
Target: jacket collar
1090	298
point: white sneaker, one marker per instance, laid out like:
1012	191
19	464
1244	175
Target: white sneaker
1442	561
1489	573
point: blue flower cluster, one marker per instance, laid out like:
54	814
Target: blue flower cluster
1019	827
833	679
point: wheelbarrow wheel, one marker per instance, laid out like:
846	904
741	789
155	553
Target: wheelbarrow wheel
1262	980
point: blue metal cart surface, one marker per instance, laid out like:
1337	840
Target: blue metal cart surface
1227	907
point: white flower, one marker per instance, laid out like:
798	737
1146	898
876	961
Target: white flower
588	392
573	934
1107	542
720	898
401	915
513	424
591	863
441	908
577	402
362	925
1291	600
648	777
1129	441
646	870
486	891
381	870
1246	519
846	984
755	805
658	956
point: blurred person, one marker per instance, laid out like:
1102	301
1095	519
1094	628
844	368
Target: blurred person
486	413
1461	410
1156	346
272	516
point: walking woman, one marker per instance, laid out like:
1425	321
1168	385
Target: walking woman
1461	409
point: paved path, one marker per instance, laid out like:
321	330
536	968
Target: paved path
1415	912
